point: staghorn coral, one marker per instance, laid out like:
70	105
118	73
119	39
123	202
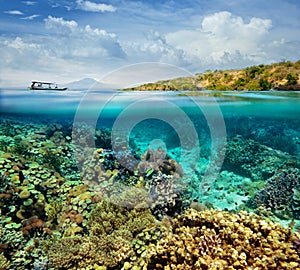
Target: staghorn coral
214	239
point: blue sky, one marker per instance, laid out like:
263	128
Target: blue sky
70	40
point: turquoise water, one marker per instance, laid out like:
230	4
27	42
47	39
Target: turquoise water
244	113
228	150
169	118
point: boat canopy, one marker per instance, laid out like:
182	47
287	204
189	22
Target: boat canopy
40	85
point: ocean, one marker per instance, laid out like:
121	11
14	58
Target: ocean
138	171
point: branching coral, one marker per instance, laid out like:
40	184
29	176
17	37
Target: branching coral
217	240
111	231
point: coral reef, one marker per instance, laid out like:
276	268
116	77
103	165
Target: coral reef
103	138
214	239
155	172
159	160
280	194
126	210
252	159
111	231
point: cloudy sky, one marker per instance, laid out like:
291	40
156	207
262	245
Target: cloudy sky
68	40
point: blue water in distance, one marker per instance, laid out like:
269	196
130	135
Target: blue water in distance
156	113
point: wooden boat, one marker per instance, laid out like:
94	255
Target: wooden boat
37	85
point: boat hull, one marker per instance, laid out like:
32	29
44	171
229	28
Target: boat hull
46	88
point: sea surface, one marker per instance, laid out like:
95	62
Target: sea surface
220	150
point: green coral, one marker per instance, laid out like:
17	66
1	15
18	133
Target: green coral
21	147
111	232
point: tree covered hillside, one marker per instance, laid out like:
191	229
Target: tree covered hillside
281	76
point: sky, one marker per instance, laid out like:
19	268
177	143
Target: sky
66	40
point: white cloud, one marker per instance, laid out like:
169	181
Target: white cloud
94	7
31	17
224	38
14	12
19	44
29	3
68	50
225	24
20	54
24	59
60	25
75	41
155	48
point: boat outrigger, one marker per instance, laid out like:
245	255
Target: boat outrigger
36	85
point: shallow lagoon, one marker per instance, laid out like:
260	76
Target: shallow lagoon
230	151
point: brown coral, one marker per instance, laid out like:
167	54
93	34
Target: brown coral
216	240
159	160
32	225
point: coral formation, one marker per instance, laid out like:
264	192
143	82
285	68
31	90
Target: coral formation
111	231
159	160
252	159
214	239
125	210
280	194
4	263
155	172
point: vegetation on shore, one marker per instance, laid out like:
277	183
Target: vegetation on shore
284	75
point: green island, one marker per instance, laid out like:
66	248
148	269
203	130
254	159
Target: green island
284	75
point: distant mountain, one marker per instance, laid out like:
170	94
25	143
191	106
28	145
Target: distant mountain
84	84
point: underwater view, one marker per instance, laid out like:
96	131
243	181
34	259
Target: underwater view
103	179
